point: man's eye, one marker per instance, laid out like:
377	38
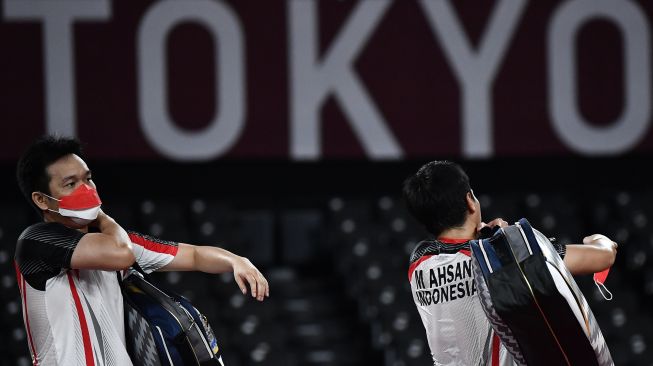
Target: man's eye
71	184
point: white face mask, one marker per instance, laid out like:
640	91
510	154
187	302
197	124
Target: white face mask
84	217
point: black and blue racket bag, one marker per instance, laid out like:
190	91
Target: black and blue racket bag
163	328
533	302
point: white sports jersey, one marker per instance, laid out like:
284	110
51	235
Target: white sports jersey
75	317
444	292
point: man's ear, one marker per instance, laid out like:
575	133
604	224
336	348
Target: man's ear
40	200
471	202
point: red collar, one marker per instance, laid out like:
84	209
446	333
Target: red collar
452	240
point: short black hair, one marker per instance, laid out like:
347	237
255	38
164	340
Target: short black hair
31	170
437	195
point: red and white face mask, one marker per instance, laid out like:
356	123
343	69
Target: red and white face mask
82	205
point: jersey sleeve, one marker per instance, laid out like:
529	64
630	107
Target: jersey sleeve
45	249
151	253
560	248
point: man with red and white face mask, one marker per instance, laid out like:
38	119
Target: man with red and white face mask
82	206
72	302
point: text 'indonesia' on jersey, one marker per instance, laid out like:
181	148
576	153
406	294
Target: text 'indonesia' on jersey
445	283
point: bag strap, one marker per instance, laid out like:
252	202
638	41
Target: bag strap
139	269
135	267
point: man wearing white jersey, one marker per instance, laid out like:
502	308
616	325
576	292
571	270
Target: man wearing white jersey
65	265
440	197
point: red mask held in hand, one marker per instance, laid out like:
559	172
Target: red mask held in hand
599	280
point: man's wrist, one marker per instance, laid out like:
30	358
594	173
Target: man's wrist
232	259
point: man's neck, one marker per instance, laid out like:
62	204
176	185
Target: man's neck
464	232
48	217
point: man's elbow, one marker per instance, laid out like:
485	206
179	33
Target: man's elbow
123	255
607	249
610	257
605	261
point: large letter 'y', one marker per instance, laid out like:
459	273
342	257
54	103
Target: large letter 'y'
475	69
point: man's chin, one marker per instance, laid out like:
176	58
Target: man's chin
75	223
70	222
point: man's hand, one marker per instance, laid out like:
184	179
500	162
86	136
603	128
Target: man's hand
245	272
101	218
492	224
497	222
600	240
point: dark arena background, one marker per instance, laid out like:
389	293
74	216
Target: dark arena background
282	131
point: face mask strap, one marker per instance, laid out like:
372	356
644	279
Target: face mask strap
50	197
602	288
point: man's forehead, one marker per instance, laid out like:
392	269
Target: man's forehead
66	166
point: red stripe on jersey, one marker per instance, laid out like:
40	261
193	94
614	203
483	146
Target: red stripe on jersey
88	348
35	360
452	241
465	252
414	265
495	350
153	246
18	277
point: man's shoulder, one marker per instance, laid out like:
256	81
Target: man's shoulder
43	231
436	247
42	250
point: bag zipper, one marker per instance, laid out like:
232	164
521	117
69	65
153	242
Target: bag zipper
163	340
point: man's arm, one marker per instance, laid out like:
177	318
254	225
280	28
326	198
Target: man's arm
110	249
217	260
596	254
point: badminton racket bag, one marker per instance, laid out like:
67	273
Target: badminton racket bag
163	328
533	302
